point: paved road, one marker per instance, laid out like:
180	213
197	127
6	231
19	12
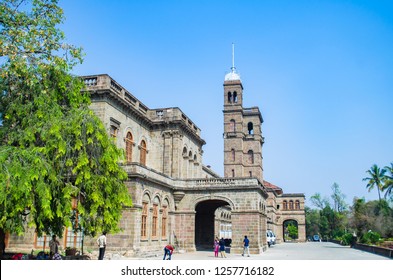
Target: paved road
291	251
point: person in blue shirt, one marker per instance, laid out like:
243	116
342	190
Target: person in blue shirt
246	243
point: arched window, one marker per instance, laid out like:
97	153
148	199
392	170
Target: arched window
233	154
164	221
184	152
232	126
250	128
233	172
235	96
143	152
145	211
297	205
129	144
250	157
290	205
229	97
285	205
155	221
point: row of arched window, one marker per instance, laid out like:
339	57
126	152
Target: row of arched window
232	127
250	156
289	205
129	149
232	97
189	165
155	218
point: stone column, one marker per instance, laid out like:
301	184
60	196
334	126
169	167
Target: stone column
167	153
246	223
185	230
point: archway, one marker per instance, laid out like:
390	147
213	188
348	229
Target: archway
205	222
290	230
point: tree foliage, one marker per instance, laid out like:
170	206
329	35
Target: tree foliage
58	167
376	179
388	182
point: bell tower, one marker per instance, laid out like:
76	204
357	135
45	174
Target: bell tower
242	131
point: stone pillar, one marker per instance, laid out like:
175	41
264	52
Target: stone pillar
185	231
167	153
246	223
176	154
301	228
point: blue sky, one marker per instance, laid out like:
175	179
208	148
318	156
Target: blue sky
320	72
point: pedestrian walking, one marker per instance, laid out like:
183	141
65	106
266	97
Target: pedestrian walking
168	251
216	247
101	242
222	248
246	247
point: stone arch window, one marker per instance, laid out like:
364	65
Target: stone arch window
145	213
154	225
164	220
232	126
233	172
184	152
290	205
229	97
190	155
143	152
297	205
250	128
195	159
129	143
285	205
250	154
250	172
235	97
233	154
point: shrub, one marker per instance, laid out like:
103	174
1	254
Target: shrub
370	237
348	239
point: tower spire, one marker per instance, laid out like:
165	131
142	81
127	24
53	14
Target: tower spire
233	58
232	76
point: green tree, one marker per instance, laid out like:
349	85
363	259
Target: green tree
54	151
292	231
388	181
338	198
319	202
313	220
376	179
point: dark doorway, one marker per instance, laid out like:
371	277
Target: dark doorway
204	223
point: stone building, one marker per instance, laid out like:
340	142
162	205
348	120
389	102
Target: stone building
176	198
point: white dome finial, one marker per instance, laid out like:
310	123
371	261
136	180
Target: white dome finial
232	76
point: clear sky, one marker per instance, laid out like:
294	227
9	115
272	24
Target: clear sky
321	72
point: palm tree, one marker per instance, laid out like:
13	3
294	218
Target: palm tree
376	179
388	181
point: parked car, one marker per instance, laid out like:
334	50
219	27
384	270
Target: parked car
271	238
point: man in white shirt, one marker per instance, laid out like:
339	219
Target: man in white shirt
101	242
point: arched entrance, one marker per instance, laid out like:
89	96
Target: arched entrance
205	222
290	230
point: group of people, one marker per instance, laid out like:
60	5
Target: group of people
219	246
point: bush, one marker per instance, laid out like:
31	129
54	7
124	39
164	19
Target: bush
370	237
348	239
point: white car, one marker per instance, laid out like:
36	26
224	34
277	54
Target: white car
271	238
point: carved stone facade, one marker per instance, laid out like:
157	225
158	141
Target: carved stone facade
177	199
